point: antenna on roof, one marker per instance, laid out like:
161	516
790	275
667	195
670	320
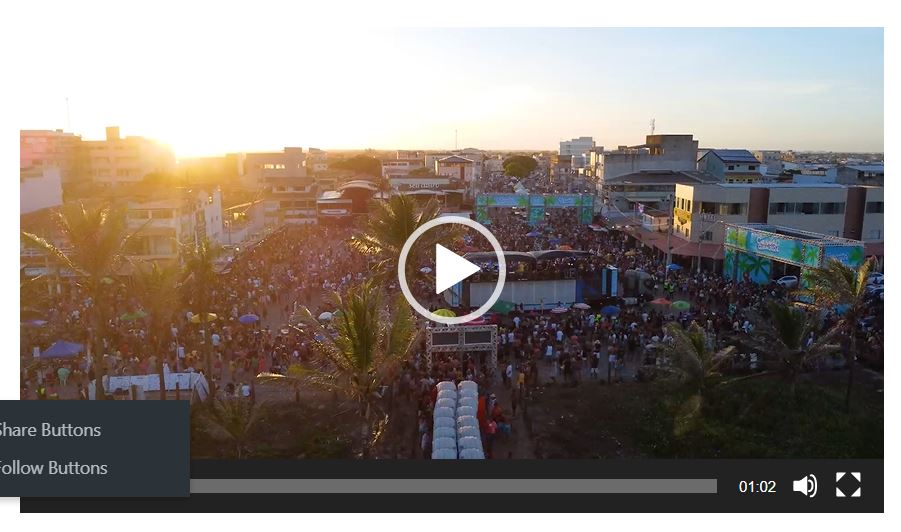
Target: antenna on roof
653	125
455	140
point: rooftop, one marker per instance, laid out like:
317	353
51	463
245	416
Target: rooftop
662	177
734	156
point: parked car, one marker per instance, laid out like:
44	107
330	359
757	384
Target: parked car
788	281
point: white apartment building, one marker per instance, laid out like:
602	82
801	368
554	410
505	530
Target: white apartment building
770	160
165	223
578	150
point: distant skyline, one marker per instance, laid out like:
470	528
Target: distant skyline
500	89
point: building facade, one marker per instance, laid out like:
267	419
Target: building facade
45	149
40	188
677	153
162	225
731	166
120	160
771	160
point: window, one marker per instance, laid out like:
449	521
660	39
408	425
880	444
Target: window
752	167
707	235
875	234
708	207
807	208
875	207
731	167
832	208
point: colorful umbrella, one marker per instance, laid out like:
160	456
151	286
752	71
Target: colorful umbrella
209	317
673	267
558	310
610	310
132	316
502	307
582	306
445	313
425	270
34	323
661	301
62	349
247	319
565	247
533	234
325	316
681	305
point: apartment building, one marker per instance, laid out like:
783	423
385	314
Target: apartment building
162	224
119	160
770	161
676	153
40	188
46	149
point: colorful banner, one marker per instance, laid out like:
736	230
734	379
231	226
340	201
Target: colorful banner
791	250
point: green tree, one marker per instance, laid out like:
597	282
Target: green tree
519	166
695	367
200	277
234	419
96	238
363	164
422	172
372	340
838	285
390	225
157	288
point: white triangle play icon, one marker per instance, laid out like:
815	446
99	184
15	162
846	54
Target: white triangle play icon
450	268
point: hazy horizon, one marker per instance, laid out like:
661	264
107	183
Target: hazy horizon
500	89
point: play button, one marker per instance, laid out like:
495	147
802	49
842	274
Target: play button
450	269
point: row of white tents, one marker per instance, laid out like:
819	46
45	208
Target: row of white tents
455	426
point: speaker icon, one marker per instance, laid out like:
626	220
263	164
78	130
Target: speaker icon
806	485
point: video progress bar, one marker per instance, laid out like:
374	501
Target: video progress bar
454	485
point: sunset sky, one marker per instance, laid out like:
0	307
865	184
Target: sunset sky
211	93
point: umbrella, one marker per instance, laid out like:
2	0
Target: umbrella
209	317
132	316
62	349
681	305
610	310
502	307
325	316
673	267
582	306
426	270
631	253
444	313
247	319
558	310
661	301
533	234
565	248
34	323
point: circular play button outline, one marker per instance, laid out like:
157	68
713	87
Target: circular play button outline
501	270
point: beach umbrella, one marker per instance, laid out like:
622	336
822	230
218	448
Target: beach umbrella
425	270
444	313
209	317
610	310
132	316
558	310
62	349
247	319
325	316
582	306
681	305
673	267
533	234
661	301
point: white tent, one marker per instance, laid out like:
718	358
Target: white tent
469	442
464	421
445	385
468	431
445	432
444	454
444	422
466	411
444	443
444	411
471	454
468	385
445	402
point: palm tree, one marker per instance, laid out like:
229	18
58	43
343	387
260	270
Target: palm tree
235	418
838	285
389	227
372	340
200	276
782	334
156	287
694	365
97	239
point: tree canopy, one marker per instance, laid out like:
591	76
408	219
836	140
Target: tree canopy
363	164
519	166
